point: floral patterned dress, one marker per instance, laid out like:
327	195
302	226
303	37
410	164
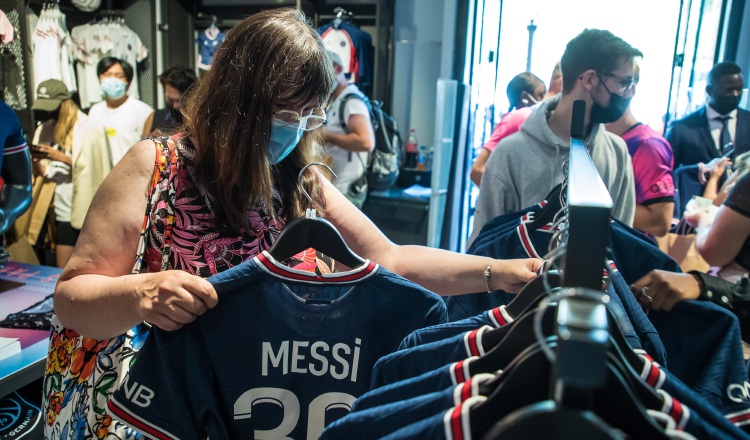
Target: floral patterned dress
179	232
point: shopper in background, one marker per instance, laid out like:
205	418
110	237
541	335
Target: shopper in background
652	170
70	149
176	81
524	91
555	82
126	119
348	145
717	129
598	68
251	125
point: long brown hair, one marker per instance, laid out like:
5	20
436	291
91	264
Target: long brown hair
268	55
65	123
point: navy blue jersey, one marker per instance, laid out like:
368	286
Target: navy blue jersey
497	317
644	329
440	378
454	424
412	362
380	421
501	224
660	379
208	42
704	345
283	353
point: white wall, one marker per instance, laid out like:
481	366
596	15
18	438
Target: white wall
423	50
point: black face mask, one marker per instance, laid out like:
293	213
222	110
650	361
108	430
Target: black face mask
611	113
725	104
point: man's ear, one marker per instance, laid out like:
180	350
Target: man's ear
589	79
339	69
709	90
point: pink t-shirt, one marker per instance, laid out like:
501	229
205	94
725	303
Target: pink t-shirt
652	165
510	123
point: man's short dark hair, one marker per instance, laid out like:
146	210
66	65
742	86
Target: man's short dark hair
722	69
523	82
594	49
107	62
179	77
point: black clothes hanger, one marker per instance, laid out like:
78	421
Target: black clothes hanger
504	344
314	232
546	420
615	404
550	210
533	293
622	401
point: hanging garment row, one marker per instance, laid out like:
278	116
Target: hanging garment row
353	45
53	49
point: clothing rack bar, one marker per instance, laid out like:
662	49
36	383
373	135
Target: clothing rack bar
589	206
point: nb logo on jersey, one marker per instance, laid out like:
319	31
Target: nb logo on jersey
739	393
138	394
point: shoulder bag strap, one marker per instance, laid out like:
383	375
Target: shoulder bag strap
163	164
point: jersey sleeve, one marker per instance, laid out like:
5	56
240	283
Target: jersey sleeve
14	142
652	170
166	394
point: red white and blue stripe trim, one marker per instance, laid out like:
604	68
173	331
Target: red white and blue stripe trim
266	262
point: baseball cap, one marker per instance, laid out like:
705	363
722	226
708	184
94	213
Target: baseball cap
87	5
49	95
335	58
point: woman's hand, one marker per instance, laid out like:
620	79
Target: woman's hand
42	151
173	298
512	275
717	167
661	290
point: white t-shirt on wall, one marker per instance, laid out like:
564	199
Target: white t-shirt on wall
124	124
345	164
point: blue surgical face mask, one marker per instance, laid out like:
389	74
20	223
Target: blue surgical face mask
284	138
113	88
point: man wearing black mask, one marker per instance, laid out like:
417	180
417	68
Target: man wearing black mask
176	81
598	68
718	128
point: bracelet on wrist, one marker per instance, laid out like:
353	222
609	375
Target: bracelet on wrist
488	276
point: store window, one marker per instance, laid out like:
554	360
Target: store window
664	30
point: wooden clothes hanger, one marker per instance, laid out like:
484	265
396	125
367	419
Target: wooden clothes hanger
314	232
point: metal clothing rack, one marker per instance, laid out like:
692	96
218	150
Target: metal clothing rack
580	368
589	205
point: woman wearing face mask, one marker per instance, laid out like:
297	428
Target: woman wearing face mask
524	90
126	119
251	124
72	150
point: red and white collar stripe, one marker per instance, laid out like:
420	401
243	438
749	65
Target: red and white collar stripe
473	341
266	262
456	421
499	316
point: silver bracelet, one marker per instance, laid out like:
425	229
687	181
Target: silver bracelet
488	276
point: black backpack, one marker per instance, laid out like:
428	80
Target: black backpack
385	159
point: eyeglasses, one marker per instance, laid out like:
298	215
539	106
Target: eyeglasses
624	83
315	119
